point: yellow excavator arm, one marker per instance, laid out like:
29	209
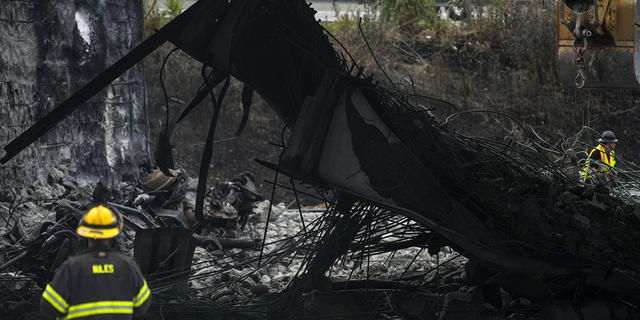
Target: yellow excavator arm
598	43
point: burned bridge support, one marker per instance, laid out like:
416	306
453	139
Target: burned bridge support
49	50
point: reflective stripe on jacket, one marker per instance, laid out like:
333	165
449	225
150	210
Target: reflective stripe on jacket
98	283
607	160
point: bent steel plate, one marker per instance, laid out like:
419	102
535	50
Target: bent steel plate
157	181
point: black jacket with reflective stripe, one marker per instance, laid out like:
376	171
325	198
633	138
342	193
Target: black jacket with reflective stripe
98	283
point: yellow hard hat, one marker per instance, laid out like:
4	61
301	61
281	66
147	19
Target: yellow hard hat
100	223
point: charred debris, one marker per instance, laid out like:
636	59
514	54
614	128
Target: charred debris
396	183
159	226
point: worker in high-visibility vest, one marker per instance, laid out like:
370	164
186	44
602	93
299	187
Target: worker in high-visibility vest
601	159
98	283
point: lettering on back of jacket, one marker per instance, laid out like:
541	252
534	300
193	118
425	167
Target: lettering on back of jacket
102	268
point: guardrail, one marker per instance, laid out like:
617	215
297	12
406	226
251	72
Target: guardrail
326	12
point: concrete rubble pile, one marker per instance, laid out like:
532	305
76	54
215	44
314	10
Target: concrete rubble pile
584	223
569	227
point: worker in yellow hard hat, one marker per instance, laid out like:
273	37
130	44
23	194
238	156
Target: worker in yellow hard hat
97	283
601	160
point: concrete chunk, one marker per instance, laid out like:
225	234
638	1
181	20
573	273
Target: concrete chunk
581	224
596	207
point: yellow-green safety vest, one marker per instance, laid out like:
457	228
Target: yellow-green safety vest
606	157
